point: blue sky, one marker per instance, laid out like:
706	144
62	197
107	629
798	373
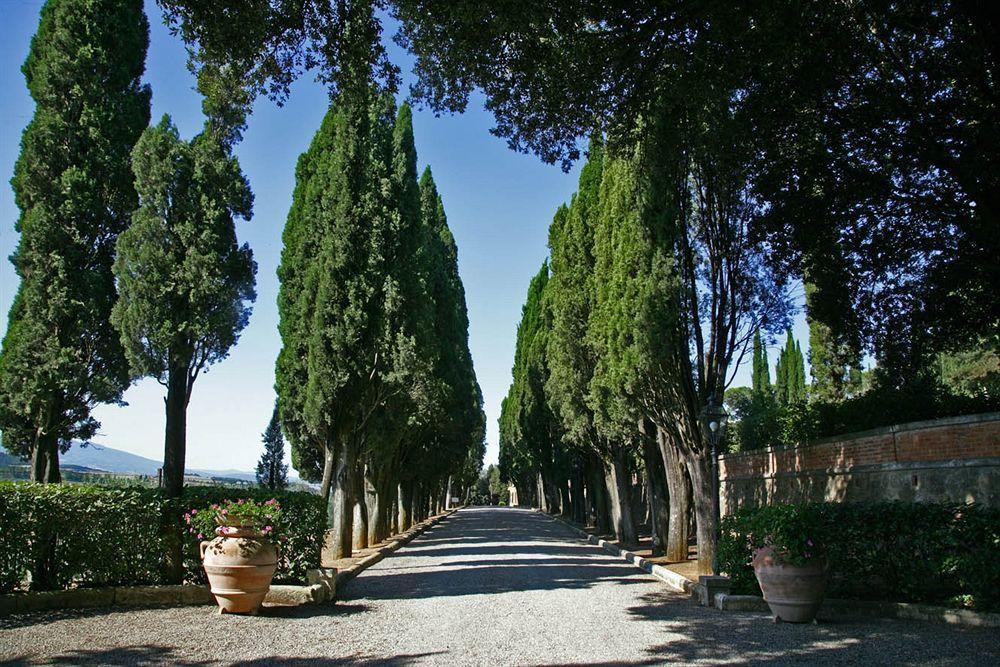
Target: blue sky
499	205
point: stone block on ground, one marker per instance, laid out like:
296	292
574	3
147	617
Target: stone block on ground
296	595
324	576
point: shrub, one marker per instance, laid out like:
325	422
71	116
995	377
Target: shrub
904	552
73	535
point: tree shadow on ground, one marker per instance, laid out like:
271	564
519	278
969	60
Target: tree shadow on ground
47	617
502	576
151	654
708	636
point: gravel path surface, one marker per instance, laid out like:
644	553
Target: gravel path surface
485	587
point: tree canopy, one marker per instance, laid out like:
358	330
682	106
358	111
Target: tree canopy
73	185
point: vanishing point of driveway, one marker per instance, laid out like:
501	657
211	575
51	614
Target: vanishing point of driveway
487	586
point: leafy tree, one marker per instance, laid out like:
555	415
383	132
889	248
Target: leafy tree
73	185
272	471
185	284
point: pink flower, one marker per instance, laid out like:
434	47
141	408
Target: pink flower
225	511
193	512
268	529
200	536
809	543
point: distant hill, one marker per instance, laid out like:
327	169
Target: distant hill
109	459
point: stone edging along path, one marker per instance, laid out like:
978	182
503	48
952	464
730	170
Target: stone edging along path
832	608
675	581
321	587
346	574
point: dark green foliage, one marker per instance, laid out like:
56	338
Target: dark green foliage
761	375
185	282
461	426
73	185
529	432
763	421
834	362
106	536
272	471
329	301
571	293
904	552
790	373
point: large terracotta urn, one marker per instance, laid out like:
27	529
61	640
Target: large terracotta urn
240	563
793	592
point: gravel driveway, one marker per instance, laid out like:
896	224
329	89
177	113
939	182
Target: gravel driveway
485	587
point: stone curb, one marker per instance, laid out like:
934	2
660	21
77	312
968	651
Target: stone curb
675	581
851	609
134	596
348	573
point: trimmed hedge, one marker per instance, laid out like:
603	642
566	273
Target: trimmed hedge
901	552
75	535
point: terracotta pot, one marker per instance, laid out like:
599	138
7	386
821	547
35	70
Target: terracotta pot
239	563
793	592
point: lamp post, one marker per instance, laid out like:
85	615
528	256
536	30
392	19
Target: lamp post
716	418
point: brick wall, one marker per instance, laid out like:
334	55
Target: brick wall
956	459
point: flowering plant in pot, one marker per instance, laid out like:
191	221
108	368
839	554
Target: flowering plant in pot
241	559
791	568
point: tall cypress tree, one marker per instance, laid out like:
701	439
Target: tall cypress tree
73	185
761	373
185	283
528	428
790	385
272	471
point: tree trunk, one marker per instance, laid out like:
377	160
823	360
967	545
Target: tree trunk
405	505
360	510
45	460
565	503
679	492
700	470
657	492
372	502
324	487
340	517
447	494
620	496
598	496
175	438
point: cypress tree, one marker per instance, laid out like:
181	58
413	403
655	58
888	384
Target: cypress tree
528	427
790	386
761	373
185	284
73	185
272	471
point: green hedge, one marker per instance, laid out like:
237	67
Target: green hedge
902	552
74	535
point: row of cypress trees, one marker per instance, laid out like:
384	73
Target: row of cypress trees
790	371
376	388
651	292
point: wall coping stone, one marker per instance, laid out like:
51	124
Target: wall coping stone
866	468
979	418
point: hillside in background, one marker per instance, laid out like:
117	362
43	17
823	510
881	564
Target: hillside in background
108	459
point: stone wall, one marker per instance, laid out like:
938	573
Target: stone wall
945	460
